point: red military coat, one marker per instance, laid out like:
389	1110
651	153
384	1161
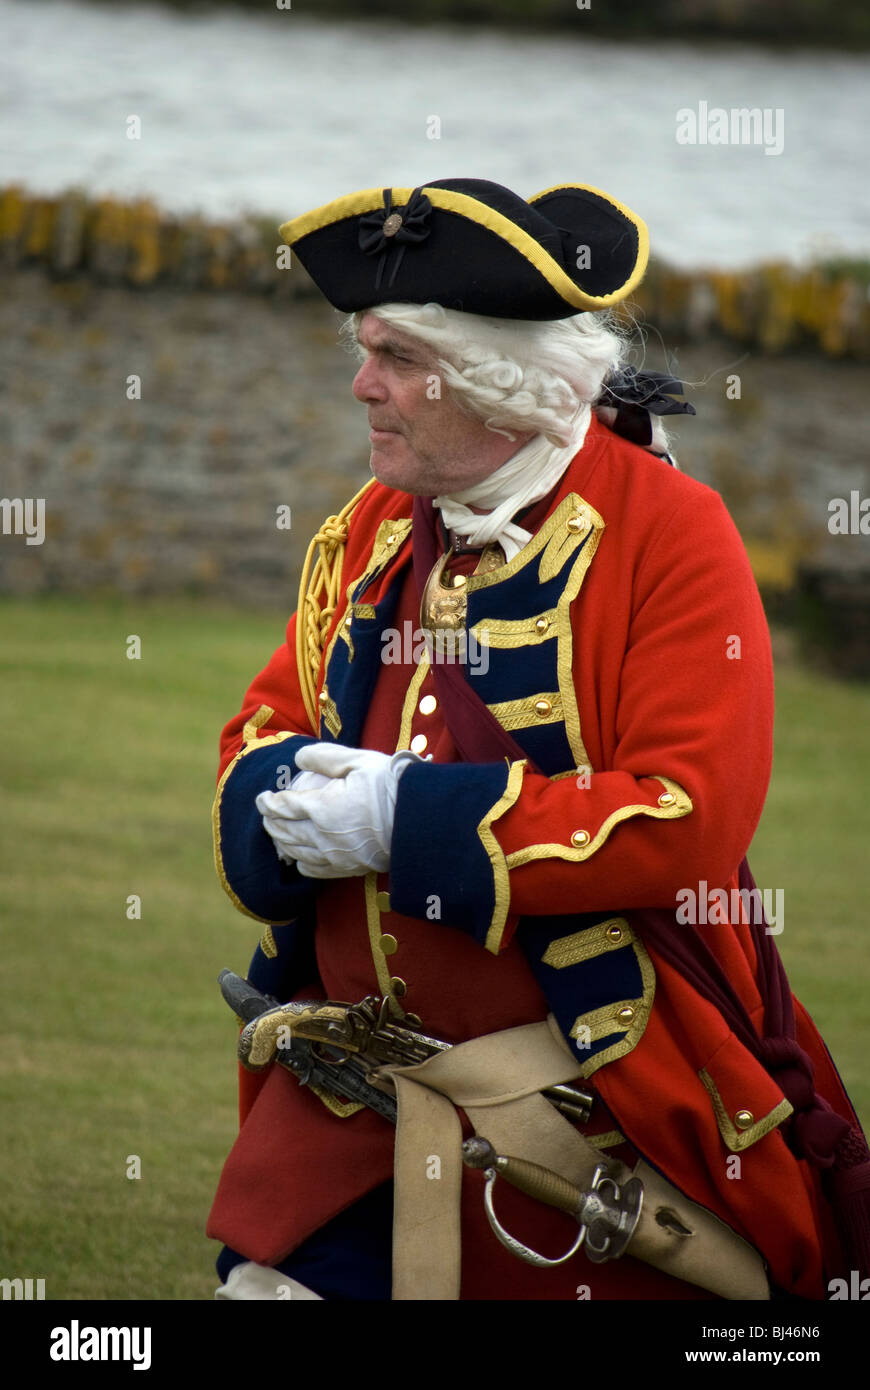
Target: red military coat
627	638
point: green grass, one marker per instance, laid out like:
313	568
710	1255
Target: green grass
115	1041
812	842
115	1038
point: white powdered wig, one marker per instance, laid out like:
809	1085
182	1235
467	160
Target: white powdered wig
514	374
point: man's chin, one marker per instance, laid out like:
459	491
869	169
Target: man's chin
402	475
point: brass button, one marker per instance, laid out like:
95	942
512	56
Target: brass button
418	743
428	704
459	581
542	623
398	987
388	944
626	1015
323	697
348	620
392	224
382	902
580	838
576	523
391	540
667	799
744	1119
615	933
542	707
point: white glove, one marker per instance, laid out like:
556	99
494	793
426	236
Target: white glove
335	820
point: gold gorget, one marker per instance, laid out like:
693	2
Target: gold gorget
444	602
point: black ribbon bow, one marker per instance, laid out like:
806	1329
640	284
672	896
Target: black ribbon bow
654	391
405	226
639	394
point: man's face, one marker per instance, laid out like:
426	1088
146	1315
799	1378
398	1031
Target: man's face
422	442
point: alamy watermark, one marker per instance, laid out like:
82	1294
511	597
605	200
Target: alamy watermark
408	646
77	1343
857	1289
718	907
849	516
24	1289
23	516
739	125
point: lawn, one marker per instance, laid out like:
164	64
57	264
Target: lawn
116	1043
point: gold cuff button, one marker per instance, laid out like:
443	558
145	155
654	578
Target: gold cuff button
626	1015
542	623
418	743
398	987
580	838
744	1119
391	540
543	708
382	902
667	799
615	933
576	523
428	704
388	944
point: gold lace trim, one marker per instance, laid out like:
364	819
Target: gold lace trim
319	593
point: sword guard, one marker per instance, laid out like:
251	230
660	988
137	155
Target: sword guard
607	1212
516	1247
608	1223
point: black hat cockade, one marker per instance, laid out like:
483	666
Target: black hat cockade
473	245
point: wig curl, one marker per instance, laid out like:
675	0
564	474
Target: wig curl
513	374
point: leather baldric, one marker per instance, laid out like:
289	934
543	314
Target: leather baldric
497	1079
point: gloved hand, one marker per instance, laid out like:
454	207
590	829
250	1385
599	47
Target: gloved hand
341	825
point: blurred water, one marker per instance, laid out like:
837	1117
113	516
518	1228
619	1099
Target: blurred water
276	113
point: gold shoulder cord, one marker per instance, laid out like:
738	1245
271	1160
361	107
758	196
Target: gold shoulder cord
319	593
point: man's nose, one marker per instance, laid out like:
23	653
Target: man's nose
367	385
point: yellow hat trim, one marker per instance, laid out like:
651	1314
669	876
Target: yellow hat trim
354	204
638	222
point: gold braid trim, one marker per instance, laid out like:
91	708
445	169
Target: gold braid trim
319	593
736	1139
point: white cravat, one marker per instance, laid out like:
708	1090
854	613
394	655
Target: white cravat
527	476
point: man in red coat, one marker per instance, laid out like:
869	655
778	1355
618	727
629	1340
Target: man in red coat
504	773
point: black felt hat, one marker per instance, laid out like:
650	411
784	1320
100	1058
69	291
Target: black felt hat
473	245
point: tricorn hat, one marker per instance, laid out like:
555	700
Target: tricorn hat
473	245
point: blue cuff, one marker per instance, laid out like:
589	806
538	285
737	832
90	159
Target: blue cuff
440	867
258	882
285	958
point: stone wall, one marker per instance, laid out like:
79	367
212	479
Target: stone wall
245	408
773	307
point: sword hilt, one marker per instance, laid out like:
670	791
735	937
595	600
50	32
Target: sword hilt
541	1183
607	1212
